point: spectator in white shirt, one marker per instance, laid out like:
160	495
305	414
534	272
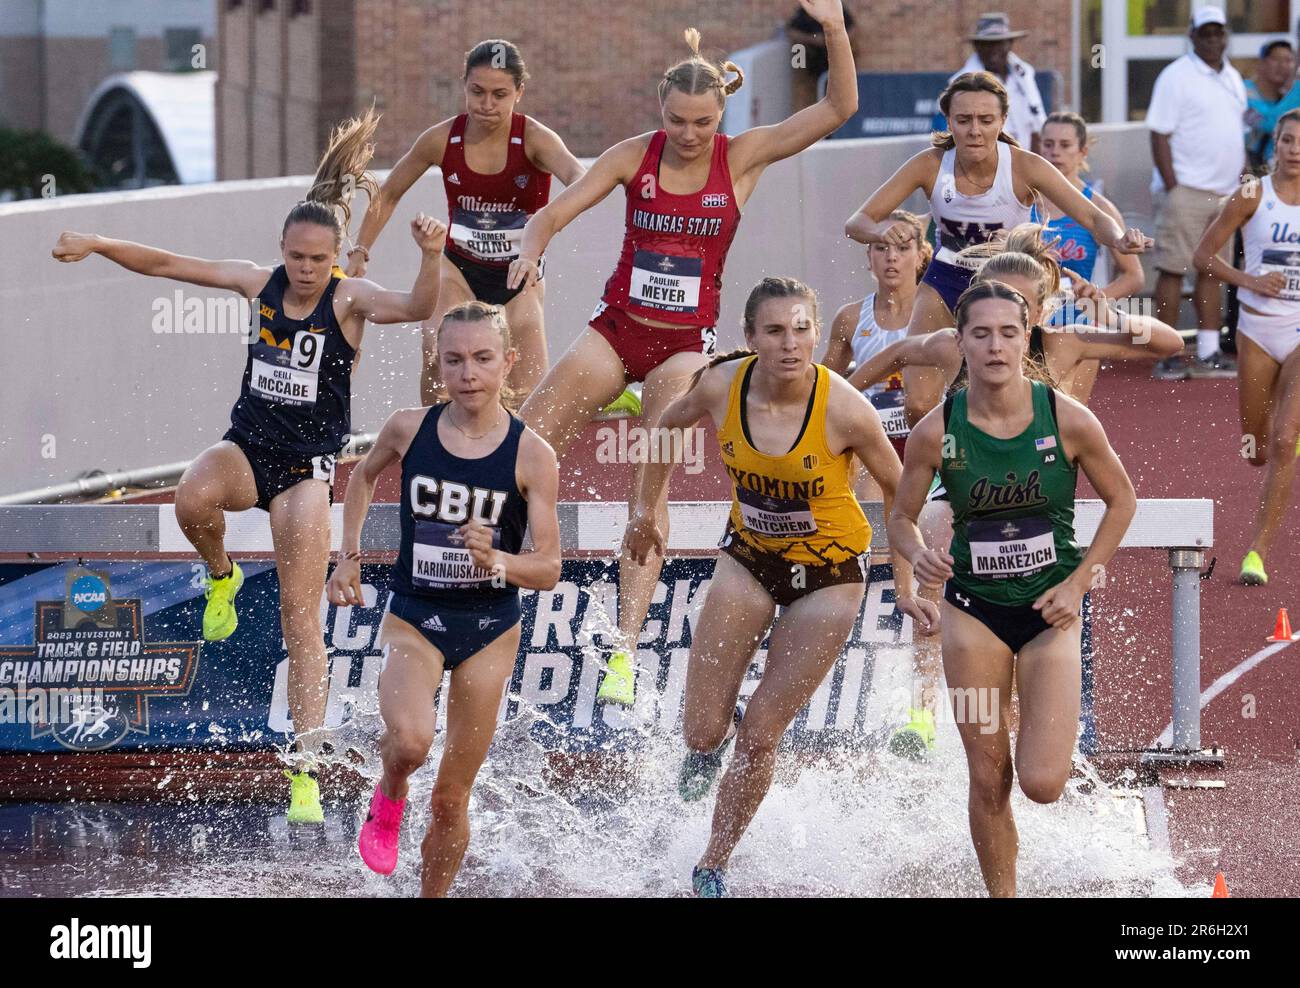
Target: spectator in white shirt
1197	122
992	42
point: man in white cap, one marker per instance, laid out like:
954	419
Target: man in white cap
992	41
1197	120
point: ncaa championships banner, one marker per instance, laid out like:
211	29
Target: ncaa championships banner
110	656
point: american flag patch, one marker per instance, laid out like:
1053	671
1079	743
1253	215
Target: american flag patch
1047	442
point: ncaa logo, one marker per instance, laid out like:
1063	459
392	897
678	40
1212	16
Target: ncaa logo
89	594
715	200
521	180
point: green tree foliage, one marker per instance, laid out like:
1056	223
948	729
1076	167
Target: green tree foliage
28	159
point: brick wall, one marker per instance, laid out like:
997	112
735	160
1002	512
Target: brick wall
594	63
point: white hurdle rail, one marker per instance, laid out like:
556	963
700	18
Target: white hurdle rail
1182	527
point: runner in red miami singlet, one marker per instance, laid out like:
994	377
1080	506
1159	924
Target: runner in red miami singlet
496	169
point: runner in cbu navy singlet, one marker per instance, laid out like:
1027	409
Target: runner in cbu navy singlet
496	166
979	182
1010	449
436	585
292	416
685	185
474	477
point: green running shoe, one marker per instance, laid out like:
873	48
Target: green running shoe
699	769
628	403
708	883
304	798
1252	570
219	618
915	740
619	684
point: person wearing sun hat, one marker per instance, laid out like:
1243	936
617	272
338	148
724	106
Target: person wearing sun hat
1197	120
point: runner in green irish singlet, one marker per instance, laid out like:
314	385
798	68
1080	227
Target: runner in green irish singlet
1013	505
1008	450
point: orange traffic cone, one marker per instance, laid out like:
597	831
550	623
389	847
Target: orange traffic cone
1220	888
1282	631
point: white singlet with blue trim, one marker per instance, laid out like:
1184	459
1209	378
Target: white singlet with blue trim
869	339
962	220
1272	241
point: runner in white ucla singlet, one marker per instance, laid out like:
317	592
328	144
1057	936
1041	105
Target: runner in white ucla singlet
1268	214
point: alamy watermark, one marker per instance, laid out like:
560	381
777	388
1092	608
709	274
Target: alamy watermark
182	312
92	941
638	444
1084	315
48	705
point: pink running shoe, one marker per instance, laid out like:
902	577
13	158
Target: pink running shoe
378	841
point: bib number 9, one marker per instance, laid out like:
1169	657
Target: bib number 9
308	350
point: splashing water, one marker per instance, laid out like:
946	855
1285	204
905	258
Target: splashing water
856	822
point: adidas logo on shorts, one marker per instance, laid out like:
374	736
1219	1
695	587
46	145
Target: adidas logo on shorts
434	623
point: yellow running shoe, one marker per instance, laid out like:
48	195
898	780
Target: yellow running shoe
914	740
219	618
619	684
1252	570
304	798
628	403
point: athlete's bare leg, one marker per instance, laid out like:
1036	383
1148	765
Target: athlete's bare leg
636	583
528	336
587	378
408	688
806	640
736	614
1209	301
978	667
477	685
300	534
1257	375
452	291
218	480
1280	472
1048	682
923	386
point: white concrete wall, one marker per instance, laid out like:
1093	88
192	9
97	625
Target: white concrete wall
84	373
